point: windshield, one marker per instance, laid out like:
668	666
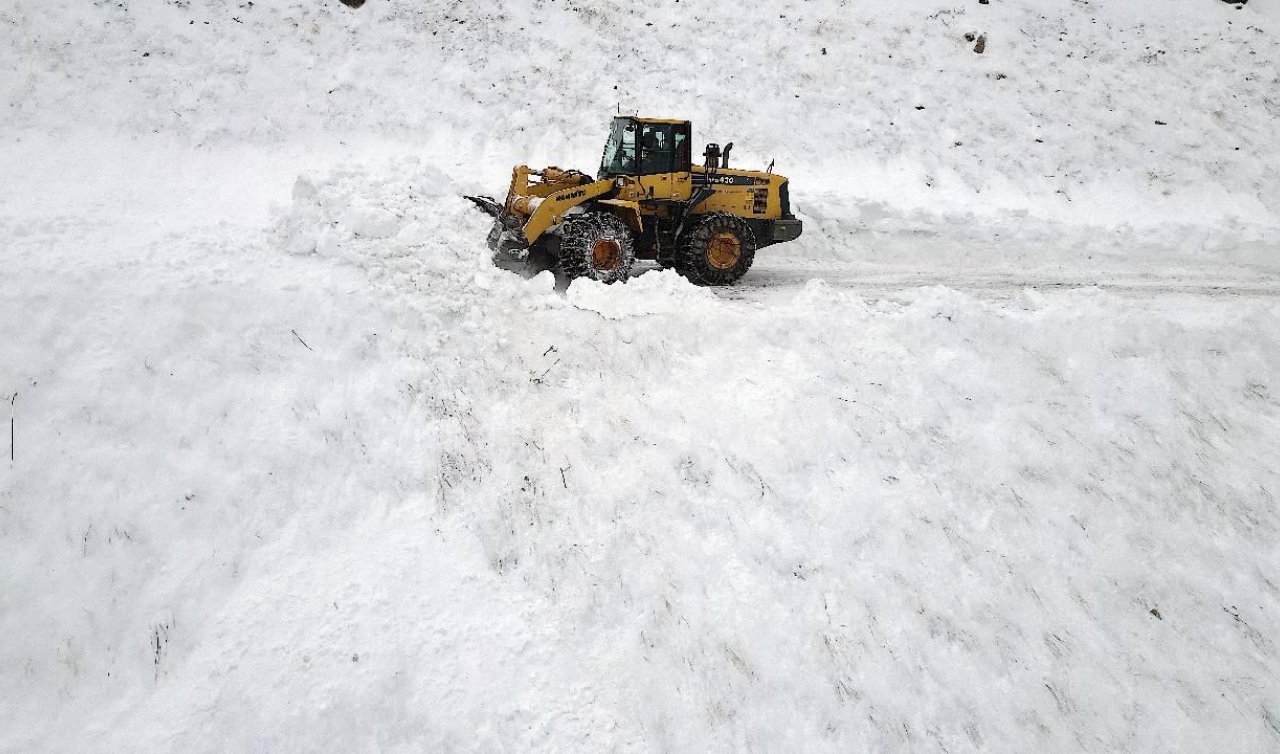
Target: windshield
620	150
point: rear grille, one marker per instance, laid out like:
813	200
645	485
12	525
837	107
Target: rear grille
760	202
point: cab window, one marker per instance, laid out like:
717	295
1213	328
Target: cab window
638	148
620	149
664	148
657	151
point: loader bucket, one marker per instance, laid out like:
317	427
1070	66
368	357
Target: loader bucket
489	205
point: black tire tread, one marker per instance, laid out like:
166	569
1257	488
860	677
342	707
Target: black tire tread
691	250
579	233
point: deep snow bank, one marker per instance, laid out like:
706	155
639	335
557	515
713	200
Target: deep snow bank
382	497
1109	113
341	485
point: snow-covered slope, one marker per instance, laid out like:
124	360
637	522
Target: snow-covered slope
1112	112
317	477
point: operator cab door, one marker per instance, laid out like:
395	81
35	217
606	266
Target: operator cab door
663	167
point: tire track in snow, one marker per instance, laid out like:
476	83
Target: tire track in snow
762	281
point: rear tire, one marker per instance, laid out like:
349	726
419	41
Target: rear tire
598	246
718	251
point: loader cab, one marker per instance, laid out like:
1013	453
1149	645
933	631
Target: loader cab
646	147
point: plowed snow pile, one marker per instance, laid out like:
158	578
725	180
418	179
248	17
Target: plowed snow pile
294	468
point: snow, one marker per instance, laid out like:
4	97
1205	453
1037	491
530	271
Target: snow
986	464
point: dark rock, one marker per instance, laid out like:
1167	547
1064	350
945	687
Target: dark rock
981	45
352	3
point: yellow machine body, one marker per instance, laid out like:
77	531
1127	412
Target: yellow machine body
648	180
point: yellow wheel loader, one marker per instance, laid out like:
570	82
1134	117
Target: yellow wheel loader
648	201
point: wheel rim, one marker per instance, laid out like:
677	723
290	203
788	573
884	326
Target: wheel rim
606	255
724	250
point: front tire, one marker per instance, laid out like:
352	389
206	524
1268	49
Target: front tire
718	251
598	246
